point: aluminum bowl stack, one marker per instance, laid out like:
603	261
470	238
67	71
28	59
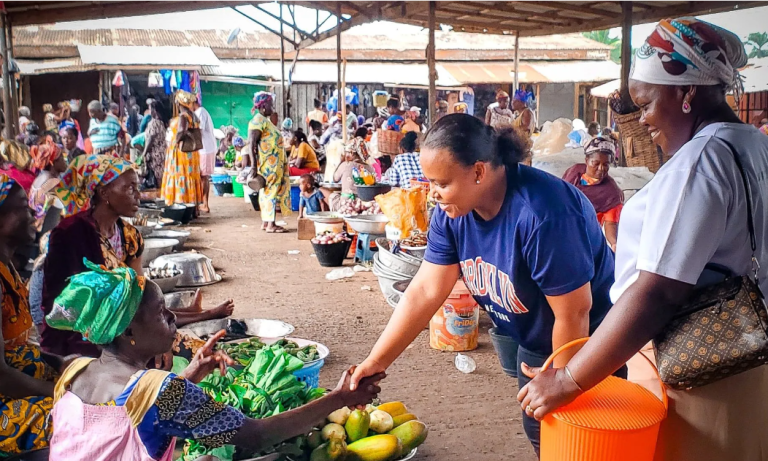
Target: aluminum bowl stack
393	270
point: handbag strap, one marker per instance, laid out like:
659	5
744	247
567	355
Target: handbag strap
750	218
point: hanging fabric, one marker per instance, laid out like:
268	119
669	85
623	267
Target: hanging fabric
119	79
167	76
154	80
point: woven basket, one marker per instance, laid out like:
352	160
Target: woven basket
639	149
389	141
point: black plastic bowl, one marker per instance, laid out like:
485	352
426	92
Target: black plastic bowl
223	188
254	196
368	193
331	255
176	213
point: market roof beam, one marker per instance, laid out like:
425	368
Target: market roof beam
591	10
293	25
295	45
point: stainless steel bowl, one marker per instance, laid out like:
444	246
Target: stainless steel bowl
152	213
179	299
326	217
369	224
154	248
181	236
197	269
263	328
167	284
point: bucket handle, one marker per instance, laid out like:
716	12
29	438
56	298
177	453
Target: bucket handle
576	342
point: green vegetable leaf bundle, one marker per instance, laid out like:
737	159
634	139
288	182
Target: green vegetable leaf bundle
264	387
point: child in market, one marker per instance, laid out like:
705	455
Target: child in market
312	199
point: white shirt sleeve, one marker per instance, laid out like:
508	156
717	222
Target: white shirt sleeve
685	220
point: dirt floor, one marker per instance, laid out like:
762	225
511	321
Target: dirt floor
470	417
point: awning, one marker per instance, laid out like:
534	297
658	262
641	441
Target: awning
533	71
52	66
605	90
238	68
364	72
156	56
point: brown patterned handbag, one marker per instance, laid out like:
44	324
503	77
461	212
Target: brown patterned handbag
722	330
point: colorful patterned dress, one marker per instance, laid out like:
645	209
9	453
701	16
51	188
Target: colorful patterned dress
159	407
24	423
273	165
181	179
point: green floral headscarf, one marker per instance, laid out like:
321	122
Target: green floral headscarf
99	303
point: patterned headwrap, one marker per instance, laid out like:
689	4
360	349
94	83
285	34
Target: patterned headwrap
238	142
99	303
186	99
15	153
47	108
357	146
395	122
6	183
287	124
688	51
601	145
44	154
501	94
84	174
262	99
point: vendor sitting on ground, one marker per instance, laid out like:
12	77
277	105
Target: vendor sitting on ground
353	162
27	374
303	159
311	200
592	179
406	165
126	315
96	191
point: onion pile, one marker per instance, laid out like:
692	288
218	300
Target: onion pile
330	238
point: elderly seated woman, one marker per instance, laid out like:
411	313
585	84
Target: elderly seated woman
142	411
592	179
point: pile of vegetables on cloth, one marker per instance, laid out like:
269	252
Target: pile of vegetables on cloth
244	352
265	387
384	433
354	207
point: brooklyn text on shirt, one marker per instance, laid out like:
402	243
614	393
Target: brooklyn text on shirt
485	279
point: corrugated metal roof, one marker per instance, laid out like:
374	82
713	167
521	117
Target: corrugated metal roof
364	72
53	66
533	71
148	55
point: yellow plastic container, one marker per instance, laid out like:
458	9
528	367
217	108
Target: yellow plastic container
454	327
614	421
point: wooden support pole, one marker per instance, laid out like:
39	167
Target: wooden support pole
7	103
626	43
14	118
338	58
343	104
282	67
431	64
517	62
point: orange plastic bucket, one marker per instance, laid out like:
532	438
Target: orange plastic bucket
454	327
614	421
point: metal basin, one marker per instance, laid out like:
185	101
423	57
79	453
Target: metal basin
167	284
368	224
154	248
263	328
181	236
326	217
197	269
179	299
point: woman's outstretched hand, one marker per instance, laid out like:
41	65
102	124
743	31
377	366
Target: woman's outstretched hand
369	367
208	359
363	394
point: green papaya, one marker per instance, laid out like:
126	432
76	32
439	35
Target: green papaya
332	450
411	434
357	425
384	447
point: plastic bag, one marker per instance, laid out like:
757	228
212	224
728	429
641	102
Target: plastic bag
406	210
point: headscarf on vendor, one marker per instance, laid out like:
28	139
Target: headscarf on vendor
16	163
84	174
100	303
262	99
44	155
6	183
411	120
186	99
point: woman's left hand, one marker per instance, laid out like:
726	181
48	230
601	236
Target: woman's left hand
547	392
208	359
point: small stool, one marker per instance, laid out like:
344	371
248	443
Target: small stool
363	251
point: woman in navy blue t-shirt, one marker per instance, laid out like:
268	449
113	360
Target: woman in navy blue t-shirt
527	244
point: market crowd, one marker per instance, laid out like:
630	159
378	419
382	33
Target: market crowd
87	333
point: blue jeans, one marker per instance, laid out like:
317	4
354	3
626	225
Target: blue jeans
530	425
